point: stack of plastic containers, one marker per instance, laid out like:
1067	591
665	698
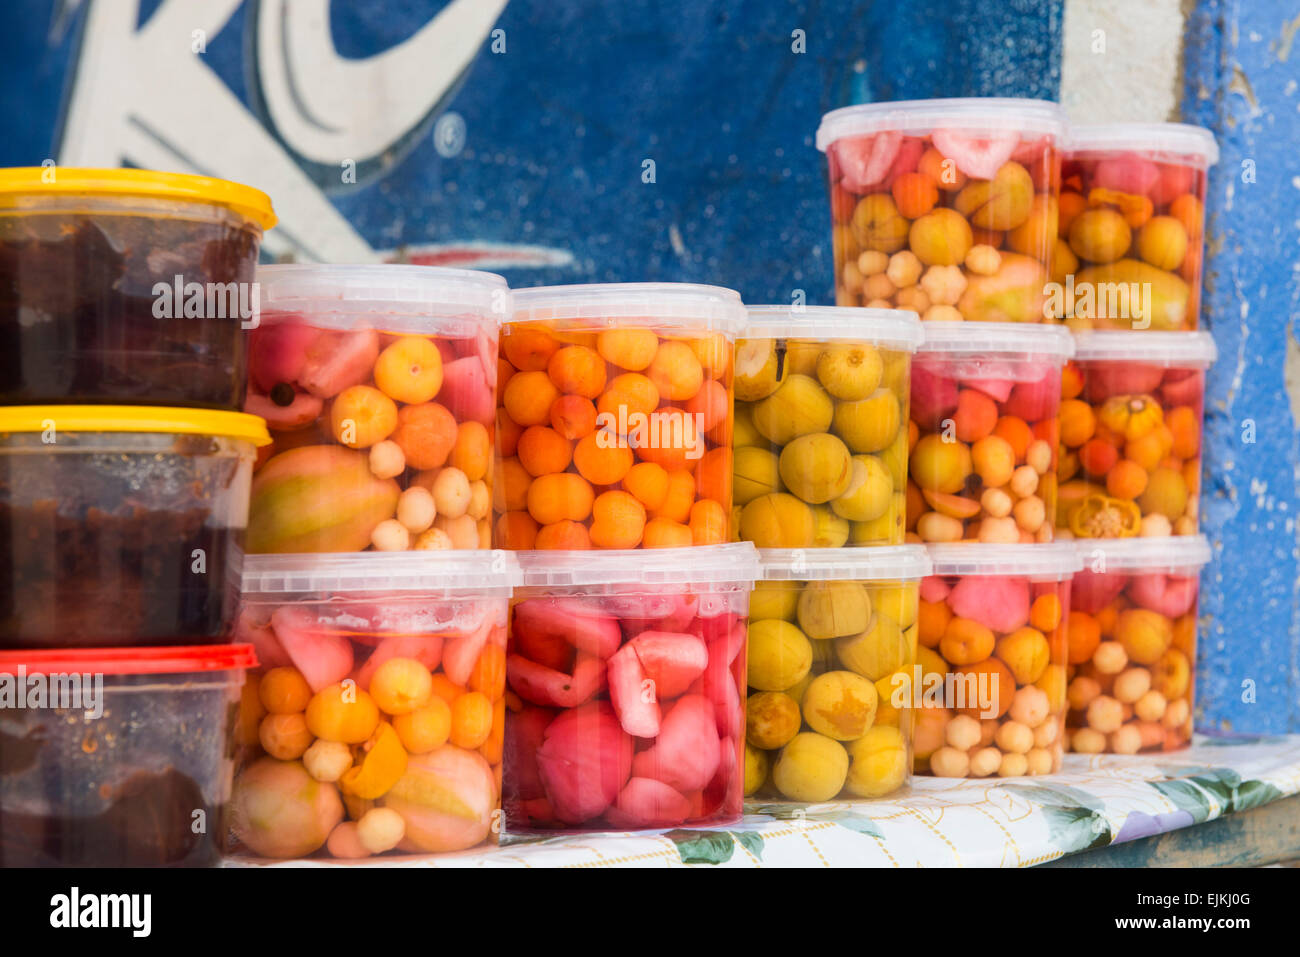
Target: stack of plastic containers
124	480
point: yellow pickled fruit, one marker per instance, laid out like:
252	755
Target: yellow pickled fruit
758	369
342	712
1100	235
894	458
1162	241
1165	494
928	732
1025	652
870	424
877	223
881	649
900	602
1012	294
1172	674
870	491
834	609
774	600
401	685
1145	634
879	762
756	765
816	467
800	406
801	356
771	719
893	695
942	237
382	766
1036	236
743	432
778	520
1169	295
812	768
939	466
1003	202
779	655
887	529
897	365
840	705
756	472
832	531
1064	262
1054	683
849	371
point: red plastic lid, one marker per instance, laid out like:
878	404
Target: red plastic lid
171	660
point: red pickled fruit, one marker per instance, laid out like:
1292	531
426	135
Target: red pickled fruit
864	161
685	609
728	707
555	689
270	653
686	753
466	393
298	414
584	761
671	660
277	353
635	703
909	155
426	649
573	620
1032	401
934	589
934	397
1171	595
1091	591
645	802
996	389
339	360
460	652
725	792
724	636
1173	182
979	157
1127	174
995	601
323	657
1182	391
544	648
1105	379
525	732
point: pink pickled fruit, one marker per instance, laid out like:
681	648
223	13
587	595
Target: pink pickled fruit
698	808
555	689
536	812
650	606
909	155
460	653
635	702
1029	151
727	706
934	397
995	601
1127	174
1183	391
712	605
999	390
865	160
724	791
277	352
446	798
466	393
671	661
726	638
685	755
979	157
426	649
645	802
324	658
249	630
544	648
1091	591
1105	379
1173	182
573	620
339	360
685	607
1171	595
525	732
1036	400
304	410
934	589
485	348
584	761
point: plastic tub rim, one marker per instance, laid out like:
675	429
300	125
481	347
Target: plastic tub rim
1191	349
1169	553
893	328
1055	560
917	117
660	303
958	337
864	564
489	574
1183	139
734	563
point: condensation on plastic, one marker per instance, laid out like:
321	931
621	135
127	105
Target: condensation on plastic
883	563
888	328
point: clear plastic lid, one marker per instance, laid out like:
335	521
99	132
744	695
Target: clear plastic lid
734	563
1172	142
1176	350
1173	554
1030	118
478	574
1052	562
884	563
1004	339
676	305
394	296
890	328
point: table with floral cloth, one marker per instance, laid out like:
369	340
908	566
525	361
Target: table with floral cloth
1095	802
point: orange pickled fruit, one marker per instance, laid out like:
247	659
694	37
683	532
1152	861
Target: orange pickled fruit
284	691
1016	432
1071	381
670	439
1146	451
708	523
516	531
504	371
1084	634
941	170
1185	426
489	672
1189	211
342	712
577	370
284	736
714	351
976	415
564	536
251	713
1045	613
528	350
445	688
401	685
677	503
426	728
630	349
676	371
1078	423
573	416
1070	205
511	486
1000	684
409	370
602	458
382	766
932	620
471	720
710	406
555	498
618	520
528	398
542	450
494	747
508	432
965	641
662	533
1126	479
713	475
426	434
648	482
914	194
361	415
627	393
472	450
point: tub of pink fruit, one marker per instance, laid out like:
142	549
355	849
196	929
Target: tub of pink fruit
626	673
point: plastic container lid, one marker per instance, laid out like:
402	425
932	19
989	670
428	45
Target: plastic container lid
179	659
662	304
969	114
133	418
23	183
395	288
486	574
891	328
1055	561
1175	139
1167	553
883	563
733	563
1000	338
1169	349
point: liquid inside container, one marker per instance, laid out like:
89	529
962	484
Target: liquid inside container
831	670
130	767
630	666
1132	644
126	286
821	426
117	523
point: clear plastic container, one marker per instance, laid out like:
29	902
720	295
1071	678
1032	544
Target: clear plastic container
615	418
627	669
992	635
376	719
378	385
945	207
117	523
125	759
984	432
1132	226
1132	644
821	426
832	639
1131	426
126	286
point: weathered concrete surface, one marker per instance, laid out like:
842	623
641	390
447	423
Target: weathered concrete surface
1120	60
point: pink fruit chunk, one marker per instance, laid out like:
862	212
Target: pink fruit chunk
999	390
685	755
466	393
864	161
460	652
979	157
584	762
339	360
727	706
634	698
724	636
304	410
525	732
995	601
277	352
934	396
426	649
909	154
573	620
323	657
555	689
648	606
1091	591
250	630
1170	595
1173	182
645	802
1185	391
1035	400
725	792
671	661
1105	379
1126	174
684	609
1030	151
542	647
485	348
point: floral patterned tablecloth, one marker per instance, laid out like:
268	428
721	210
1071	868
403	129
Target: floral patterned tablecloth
1095	801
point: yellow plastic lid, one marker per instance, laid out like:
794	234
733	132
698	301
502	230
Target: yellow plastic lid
134	418
30	181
